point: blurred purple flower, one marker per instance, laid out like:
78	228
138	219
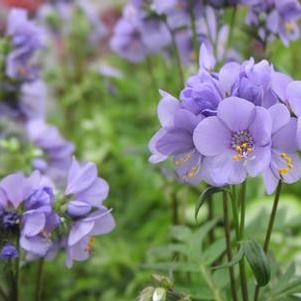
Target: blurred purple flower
57	152
26	38
8	252
27	205
237	141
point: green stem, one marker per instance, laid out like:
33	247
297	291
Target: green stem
151	73
39	287
196	45
270	229
242	268
210	218
176	54
230	37
212	286
228	244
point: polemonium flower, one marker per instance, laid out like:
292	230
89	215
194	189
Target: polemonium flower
56	151
136	35
8	252
175	139
27	209
26	38
283	20
237	141
88	216
285	163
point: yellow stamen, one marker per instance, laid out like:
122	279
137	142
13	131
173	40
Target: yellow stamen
289	26
283	155
244	145
237	148
283	171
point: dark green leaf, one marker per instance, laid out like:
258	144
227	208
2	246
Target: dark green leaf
258	261
207	193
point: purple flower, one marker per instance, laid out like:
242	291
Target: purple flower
26	38
57	152
8	252
136	36
283	20
285	163
32	99
175	139
237	141
27	206
89	217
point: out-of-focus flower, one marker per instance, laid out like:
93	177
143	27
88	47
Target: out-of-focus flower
285	163
26	38
237	141
275	17
27	209
56	151
89	217
8	252
136	36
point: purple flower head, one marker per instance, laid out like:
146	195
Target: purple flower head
89	217
8	252
285	164
57	152
175	139
283	20
136	36
237	141
26	38
254	83
37	219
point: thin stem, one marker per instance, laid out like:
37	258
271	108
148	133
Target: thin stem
39	287
195	34
212	286
151	73
270	229
228	244
176	53
242	268
230	37
210	218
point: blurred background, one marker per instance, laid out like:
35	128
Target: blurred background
107	107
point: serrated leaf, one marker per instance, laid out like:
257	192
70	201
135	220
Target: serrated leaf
207	193
235	260
258	261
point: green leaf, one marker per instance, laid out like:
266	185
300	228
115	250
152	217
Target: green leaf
258	261
207	193
235	260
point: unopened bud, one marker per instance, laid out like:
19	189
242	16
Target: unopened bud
159	294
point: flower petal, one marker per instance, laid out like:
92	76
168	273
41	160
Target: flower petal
211	137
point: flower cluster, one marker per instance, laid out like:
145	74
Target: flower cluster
275	17
60	205
229	125
33	213
151	27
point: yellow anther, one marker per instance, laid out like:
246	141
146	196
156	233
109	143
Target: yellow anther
178	162
290	165
289	26
283	171
283	155
237	157
237	148
244	145
250	149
